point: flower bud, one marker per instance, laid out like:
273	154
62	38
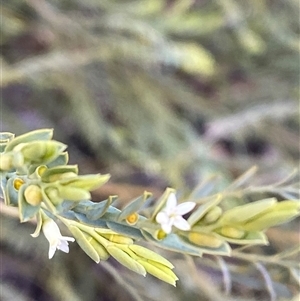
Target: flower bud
232	232
103	254
6	162
126	260
160	271
120	239
148	254
205	240
213	215
33	195
53	195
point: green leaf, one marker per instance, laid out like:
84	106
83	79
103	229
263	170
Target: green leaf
82	218
251	238
243	179
125	230
26	211
173	243
11	196
42	134
62	159
99	209
133	206
203	189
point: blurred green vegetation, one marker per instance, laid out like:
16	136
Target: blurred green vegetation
158	93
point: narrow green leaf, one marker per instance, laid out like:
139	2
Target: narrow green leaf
243	179
251	238
124	229
173	243
98	209
133	206
62	159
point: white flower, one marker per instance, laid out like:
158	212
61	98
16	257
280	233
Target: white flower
171	215
56	240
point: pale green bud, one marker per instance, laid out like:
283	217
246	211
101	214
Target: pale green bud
40	151
243	213
159	271
205	239
87	182
6	162
270	219
83	242
33	195
213	215
232	232
126	260
102	252
120	239
148	254
53	195
60	176
73	194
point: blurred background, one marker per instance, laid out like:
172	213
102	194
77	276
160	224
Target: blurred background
157	93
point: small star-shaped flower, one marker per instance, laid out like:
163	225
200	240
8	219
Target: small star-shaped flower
56	240
172	214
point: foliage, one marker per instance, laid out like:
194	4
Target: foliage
159	93
35	177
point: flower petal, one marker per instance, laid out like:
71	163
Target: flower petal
184	208
51	252
180	223
162	217
63	246
171	203
167	228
